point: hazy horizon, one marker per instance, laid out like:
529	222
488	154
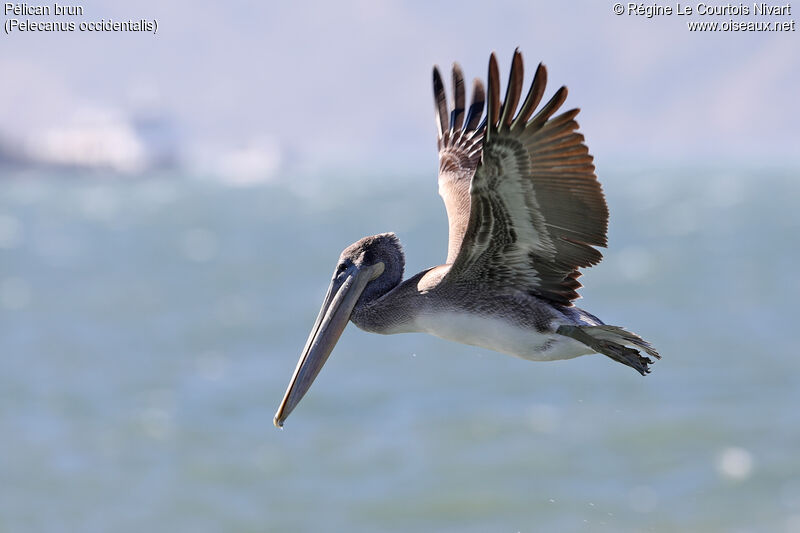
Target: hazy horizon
347	86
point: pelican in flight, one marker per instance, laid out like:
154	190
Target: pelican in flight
525	212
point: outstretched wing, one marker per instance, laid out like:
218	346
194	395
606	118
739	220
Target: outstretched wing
536	207
460	143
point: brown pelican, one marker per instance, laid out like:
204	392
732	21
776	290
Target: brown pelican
525	212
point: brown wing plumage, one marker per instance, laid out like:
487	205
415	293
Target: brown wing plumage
536	208
460	144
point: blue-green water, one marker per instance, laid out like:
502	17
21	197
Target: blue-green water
148	329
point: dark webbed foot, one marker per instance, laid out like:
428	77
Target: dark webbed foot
626	356
611	341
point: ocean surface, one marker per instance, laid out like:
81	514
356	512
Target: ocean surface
149	327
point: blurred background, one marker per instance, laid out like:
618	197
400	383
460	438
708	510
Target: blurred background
173	204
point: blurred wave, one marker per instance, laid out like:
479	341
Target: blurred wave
148	329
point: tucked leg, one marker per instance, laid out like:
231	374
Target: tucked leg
611	341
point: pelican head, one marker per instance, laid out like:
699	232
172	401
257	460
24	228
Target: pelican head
367	269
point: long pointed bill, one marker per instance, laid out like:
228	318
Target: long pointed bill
330	324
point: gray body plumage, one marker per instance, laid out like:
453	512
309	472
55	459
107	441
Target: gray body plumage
502	319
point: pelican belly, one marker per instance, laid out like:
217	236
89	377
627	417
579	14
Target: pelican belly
501	335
